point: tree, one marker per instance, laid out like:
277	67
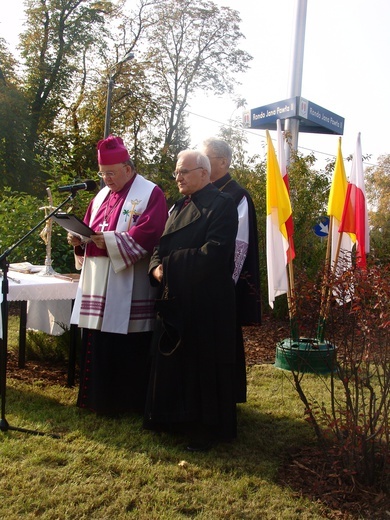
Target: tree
193	47
71	48
81	122
309	191
133	106
378	197
14	124
57	36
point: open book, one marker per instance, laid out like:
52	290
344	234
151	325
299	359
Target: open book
73	225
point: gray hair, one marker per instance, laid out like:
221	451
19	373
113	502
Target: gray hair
219	147
130	163
201	159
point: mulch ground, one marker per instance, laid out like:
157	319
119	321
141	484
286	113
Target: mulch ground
309	472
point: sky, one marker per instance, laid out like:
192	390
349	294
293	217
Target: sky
345	70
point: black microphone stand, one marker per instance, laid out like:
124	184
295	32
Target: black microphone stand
4	265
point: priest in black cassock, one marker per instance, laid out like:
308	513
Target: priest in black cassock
246	270
192	385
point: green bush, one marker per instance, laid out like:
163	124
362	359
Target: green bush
20	213
48	348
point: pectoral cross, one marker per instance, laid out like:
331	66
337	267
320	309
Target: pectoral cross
103	226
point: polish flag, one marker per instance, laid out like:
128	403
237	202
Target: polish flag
355	215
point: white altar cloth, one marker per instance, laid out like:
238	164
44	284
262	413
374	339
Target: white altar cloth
49	300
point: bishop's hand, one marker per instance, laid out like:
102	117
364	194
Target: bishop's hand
73	240
98	240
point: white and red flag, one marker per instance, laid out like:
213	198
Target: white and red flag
354	219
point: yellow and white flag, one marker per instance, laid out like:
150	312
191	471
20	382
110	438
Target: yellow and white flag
341	244
278	212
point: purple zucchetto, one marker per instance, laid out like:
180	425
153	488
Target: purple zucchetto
112	151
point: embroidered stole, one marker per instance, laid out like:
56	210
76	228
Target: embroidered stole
119	302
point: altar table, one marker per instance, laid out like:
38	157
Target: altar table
46	305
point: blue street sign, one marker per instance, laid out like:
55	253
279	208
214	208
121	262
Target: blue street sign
322	228
312	118
326	121
266	116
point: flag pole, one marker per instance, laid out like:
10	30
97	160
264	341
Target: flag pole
336	204
326	291
329	244
296	72
292	307
289	293
292	129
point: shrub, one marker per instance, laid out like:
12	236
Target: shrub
352	419
19	213
42	346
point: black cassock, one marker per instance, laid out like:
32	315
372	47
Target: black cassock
248	302
194	349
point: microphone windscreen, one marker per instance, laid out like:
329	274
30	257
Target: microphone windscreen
90	185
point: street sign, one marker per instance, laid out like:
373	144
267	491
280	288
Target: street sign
321	229
266	116
318	119
312	118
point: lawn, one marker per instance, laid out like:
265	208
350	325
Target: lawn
113	469
79	466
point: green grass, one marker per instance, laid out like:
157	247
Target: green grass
13	333
105	469
113	469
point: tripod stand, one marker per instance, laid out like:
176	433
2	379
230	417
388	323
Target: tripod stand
4	265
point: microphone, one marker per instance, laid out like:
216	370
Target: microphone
86	185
